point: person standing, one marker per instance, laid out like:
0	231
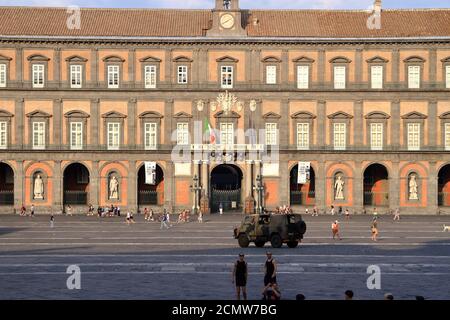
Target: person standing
397	214
150	215
347	213
332	210
200	217
340	211
335	230
69	210
270	270
145	214
306	211
52	220
315	212
240	274
164	221
374	229
128	218
32	210
221	208
375	212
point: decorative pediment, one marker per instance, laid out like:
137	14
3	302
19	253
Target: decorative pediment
182	59
76	114
377	115
414	115
271	115
271	59
182	115
5	58
76	58
150	115
445	115
38	114
340	60
303	115
113	59
377	59
303	59
113	115
222	114
227	59
340	115
37	57
414	59
150	59
445	60
5	114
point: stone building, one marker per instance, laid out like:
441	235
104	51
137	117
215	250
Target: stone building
83	106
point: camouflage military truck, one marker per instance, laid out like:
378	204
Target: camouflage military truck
277	229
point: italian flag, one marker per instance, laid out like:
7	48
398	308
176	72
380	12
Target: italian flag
212	136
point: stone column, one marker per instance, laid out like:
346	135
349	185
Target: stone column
321	64
19	178
321	123
19	66
205	178
433	67
358	192
94	67
168	117
132	186
257	167
432	188
284	67
248	178
57	123
284	188
19	122
395	124
58	189
168	66
57	68
320	186
432	124
358	67
94	184
284	124
131	123
169	186
195	202
358	132
95	131
132	67
396	68
394	187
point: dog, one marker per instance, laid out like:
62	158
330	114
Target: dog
446	228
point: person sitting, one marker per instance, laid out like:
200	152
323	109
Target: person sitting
271	292
181	217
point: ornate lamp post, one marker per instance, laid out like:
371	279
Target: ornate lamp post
259	189
195	187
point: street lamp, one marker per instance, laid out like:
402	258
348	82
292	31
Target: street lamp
195	187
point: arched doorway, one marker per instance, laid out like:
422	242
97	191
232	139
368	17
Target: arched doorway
226	181
302	194
376	186
150	194
76	185
444	186
6	185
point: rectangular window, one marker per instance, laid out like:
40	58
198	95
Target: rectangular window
376	136
303	136
2	75
339	77
182	74
183	133
271	134
76	135
76	76
226	74
340	136
303	77
38	75
447	77
113	77
414	77
150	136
113	136
271	75
38	135
377	77
226	133
413	136
150	77
3	135
447	136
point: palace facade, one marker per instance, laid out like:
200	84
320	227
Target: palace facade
84	104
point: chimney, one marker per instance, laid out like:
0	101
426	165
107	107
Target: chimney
377	6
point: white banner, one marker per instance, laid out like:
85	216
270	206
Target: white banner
303	172
150	172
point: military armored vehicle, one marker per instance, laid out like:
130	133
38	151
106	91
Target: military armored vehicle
276	229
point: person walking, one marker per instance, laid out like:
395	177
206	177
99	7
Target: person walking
23	210
164	221
32	211
315	212
240	274
347	214
335	230
397	214
128	218
200	217
151	215
332	210
340	211
270	270
374	229
52	221
145	214
69	210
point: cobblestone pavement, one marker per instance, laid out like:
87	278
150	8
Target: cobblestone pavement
193	261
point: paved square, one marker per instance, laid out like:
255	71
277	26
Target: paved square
194	261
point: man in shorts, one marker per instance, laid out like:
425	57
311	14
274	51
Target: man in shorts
240	273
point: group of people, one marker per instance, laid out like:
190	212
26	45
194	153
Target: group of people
23	211
271	290
283	210
108	211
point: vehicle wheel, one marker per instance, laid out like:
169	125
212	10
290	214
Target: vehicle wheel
260	244
243	241
292	244
276	241
301	227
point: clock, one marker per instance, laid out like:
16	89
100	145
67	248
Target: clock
227	21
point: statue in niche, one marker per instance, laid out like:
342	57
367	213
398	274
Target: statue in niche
113	188
38	188
413	192
339	188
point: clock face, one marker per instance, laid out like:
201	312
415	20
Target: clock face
227	21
